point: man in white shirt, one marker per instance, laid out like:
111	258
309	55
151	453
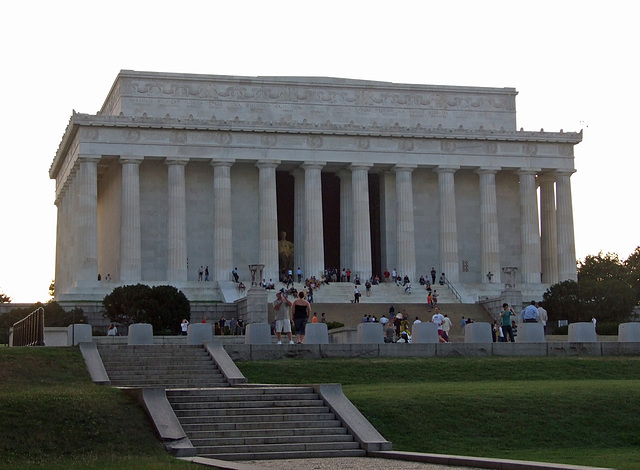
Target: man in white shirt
438	319
543	317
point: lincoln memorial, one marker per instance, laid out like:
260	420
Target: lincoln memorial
176	172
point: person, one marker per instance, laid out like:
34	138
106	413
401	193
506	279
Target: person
299	274
365	319
285	252
356	295
200	272
348	274
300	311
241	287
367	287
386	274
407	289
112	331
235	274
506	315
433	275
446	325
281	306
438	319
442	280
434	297
184	327
315	318
462	324
394	275
384	320
240	325
543	317
397	321
417	321
530	313
206	273
322	318
428	286
514	328
232	326
99	277
389	331
430	299
108	277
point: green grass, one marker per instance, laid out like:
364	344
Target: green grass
53	417
576	410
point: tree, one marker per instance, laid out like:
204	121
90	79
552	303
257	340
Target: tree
4	298
632	265
162	306
52	289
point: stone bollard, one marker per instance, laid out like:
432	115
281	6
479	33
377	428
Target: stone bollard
198	333
369	333
531	333
425	332
629	332
478	332
257	333
581	332
140	333
79	333
316	333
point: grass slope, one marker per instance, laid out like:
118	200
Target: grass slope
581	411
52	416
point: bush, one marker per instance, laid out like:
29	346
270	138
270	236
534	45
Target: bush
163	307
332	325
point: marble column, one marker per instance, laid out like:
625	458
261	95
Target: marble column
176	221
405	226
388	221
548	229
448	225
86	215
299	220
361	222
268	224
489	241
130	249
222	221
566	242
314	233
346	220
529	233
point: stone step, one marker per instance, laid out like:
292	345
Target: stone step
241	398
276	404
215	420
151	369
237	412
209	372
237	450
241	392
245	433
265	426
285	455
269	439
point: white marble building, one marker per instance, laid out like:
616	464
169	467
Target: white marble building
179	171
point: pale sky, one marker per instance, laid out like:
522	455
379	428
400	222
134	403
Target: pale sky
574	64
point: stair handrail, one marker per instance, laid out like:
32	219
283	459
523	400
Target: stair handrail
30	330
452	289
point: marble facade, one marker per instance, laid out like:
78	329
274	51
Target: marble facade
179	171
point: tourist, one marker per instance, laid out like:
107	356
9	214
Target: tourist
112	331
388	333
300	311
433	275
206	273
543	317
235	274
184	327
200	272
281	306
367	287
438	319
530	313
299	274
322	318
506	315
442	280
446	325
315	318
356	295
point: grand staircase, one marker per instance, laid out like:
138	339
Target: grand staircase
243	422
248	423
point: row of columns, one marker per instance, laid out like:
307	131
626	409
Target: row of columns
550	251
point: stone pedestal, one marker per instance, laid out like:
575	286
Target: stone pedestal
316	333
79	333
198	333
369	333
581	332
629	332
257	305
140	333
424	333
258	333
530	333
479	332
514	298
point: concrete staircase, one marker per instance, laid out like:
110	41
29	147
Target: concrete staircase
167	366
246	423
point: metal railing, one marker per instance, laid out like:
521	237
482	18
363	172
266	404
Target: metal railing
30	330
453	289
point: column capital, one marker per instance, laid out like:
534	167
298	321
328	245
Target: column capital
360	166
562	172
528	171
446	168
84	158
134	159
313	165
488	170
176	161
268	163
227	162
404	167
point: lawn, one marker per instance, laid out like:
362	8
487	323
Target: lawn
576	410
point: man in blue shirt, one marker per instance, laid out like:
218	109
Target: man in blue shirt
530	313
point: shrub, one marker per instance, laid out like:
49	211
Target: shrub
332	325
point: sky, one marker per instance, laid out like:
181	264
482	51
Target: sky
573	63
